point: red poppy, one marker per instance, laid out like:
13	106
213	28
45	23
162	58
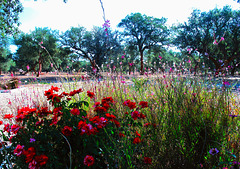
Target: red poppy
136	140
90	94
30	153
88	160
147	160
18	150
8	116
15	128
75	111
67	131
143	104
41	159
135	115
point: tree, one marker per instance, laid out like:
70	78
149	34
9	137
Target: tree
5	55
9	16
213	35
94	45
145	32
36	50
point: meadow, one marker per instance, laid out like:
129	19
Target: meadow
118	121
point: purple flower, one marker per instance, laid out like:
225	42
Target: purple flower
32	140
213	151
233	115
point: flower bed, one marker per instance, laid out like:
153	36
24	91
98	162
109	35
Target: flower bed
113	125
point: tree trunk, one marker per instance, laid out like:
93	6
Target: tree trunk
142	70
0	71
40	67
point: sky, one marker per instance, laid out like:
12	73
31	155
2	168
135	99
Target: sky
61	16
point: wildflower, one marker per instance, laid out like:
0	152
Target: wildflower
107	100
8	116
136	140
90	94
213	151
138	134
75	111
33	165
6	127
222	39
67	131
160	57
30	153
15	128
111	116
142	116
100	122
32	140
18	150
43	112
1	122
135	115
41	159
143	104
130	104
147	160
88	160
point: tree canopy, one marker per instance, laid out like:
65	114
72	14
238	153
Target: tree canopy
92	45
9	16
145	32
214	35
32	51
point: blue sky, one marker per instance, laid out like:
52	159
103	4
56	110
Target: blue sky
88	13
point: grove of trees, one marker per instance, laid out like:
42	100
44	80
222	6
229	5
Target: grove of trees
207	41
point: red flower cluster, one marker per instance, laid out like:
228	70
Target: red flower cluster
43	112
23	112
75	111
101	108
86	128
129	104
135	115
18	150
34	162
147	160
51	96
137	139
88	160
143	104
90	94
8	116
67	131
100	122
72	93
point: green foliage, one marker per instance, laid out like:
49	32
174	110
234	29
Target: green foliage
9	16
181	122
94	46
39	49
144	32
214	36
